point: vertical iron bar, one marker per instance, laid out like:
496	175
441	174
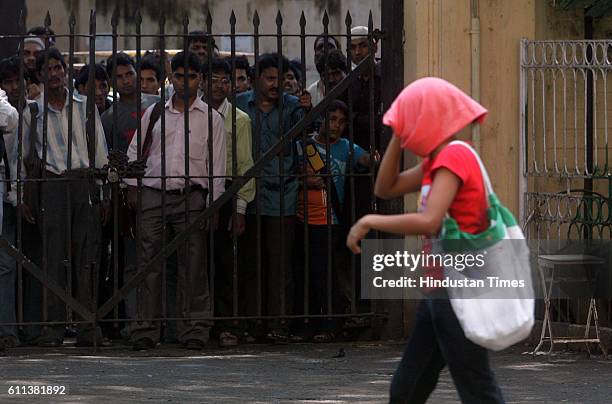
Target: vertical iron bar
115	192
162	51
139	139
305	177
91	152
187	181
44	160
348	22
71	23
22	104
281	161
328	179
257	143
234	166
211	229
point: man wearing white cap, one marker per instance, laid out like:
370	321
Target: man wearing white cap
32	46
359	45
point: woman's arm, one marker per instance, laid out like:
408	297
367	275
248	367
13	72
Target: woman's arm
390	182
443	190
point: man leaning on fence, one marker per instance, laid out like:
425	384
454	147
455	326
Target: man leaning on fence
278	202
193	297
66	204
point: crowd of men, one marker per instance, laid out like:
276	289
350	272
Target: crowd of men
192	156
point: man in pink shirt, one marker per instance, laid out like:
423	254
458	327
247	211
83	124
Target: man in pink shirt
182	188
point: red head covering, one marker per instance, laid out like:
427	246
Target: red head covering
428	112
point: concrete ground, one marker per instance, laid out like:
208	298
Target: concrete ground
305	373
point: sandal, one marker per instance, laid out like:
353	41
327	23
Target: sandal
227	339
324	337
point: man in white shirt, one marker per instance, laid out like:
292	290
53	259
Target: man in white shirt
69	213
8	125
182	188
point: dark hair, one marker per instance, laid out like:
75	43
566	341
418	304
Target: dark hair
83	76
217	65
123	59
337	105
335	60
296	67
188	59
53	53
241	63
200	36
9	67
42	31
268	60
322	36
151	62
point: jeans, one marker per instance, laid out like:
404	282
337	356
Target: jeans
438	341
8	271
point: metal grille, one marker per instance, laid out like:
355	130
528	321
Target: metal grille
566	99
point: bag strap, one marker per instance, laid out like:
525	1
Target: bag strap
155	115
483	171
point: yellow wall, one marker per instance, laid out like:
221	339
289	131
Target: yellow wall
438	44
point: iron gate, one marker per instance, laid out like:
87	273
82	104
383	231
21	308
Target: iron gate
89	311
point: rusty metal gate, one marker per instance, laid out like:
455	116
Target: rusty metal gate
565	99
106	181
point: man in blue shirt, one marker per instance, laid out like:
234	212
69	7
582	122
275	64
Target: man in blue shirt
272	114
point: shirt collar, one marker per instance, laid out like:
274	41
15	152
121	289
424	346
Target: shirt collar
225	108
76	97
197	104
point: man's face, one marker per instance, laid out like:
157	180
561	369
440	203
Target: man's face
243	83
56	74
268	84
200	49
10	85
336	125
360	49
102	89
220	86
291	85
193	82
148	82
30	51
334	76
320	46
126	80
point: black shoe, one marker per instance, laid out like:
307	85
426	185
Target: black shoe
49	342
194	344
143	344
278	337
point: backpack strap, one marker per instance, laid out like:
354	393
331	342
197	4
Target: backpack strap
155	115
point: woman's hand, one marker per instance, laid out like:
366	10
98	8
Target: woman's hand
357	233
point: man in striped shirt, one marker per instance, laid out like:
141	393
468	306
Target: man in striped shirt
69	214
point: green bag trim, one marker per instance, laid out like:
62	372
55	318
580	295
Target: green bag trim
500	218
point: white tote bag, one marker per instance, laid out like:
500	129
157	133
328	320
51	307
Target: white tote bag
492	317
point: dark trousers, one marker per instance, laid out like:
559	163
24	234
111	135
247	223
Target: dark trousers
83	221
276	268
8	274
224	274
323	284
437	341
192	293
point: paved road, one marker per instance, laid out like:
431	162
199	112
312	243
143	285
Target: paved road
304	373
